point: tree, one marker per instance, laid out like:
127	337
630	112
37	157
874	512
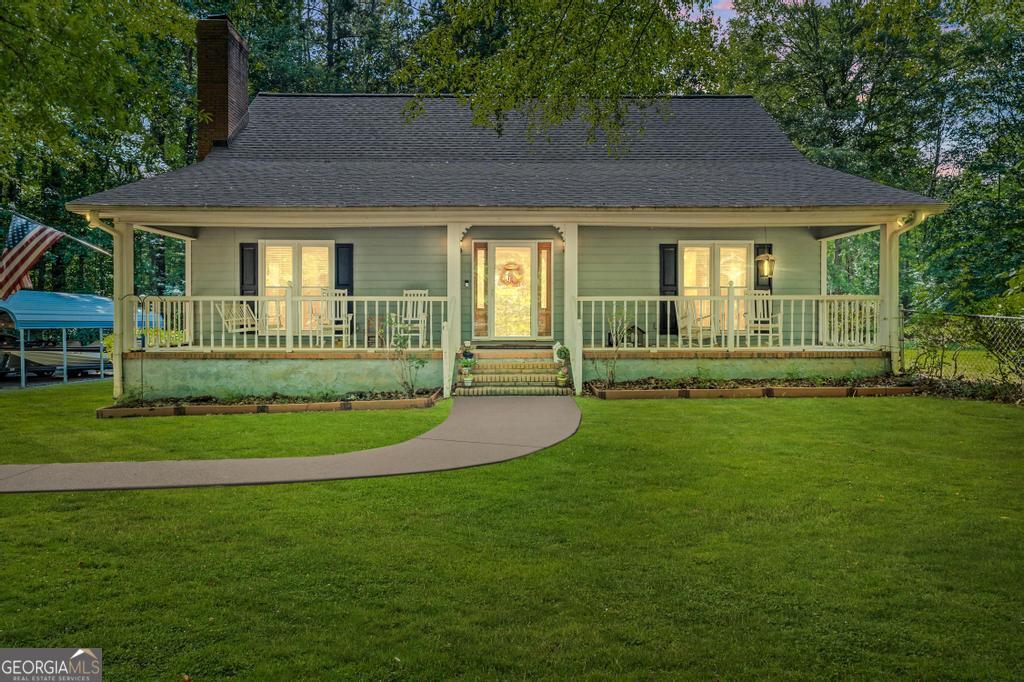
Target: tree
74	69
550	61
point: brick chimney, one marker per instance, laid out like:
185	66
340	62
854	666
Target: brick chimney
222	59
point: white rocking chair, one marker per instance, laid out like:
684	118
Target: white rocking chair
413	314
333	321
763	321
696	323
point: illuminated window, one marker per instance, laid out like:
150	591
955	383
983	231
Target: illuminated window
305	267
480	289
721	262
544	289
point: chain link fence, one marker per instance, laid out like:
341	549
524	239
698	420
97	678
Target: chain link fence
972	348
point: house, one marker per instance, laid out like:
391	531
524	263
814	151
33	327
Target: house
315	226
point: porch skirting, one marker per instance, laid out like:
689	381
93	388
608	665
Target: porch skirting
153	376
737	364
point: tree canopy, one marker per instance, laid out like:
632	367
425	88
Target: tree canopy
926	95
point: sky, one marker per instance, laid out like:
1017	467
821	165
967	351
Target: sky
723	10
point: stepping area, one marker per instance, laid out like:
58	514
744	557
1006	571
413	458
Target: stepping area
513	372
479	430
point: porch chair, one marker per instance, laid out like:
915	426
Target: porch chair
696	323
763	321
237	317
413	314
334	321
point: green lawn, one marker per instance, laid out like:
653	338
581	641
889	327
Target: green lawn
972	364
59	424
710	539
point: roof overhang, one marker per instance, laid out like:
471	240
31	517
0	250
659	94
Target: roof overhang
181	220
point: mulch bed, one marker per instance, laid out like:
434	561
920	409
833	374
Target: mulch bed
592	387
385	400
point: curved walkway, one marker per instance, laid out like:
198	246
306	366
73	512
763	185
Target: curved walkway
478	431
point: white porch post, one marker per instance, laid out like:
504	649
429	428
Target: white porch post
188	291
570	289
454	288
889	289
124	286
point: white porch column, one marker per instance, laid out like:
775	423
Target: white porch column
454	288
889	289
570	290
188	267
124	286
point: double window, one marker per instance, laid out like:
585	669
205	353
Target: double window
305	268
710	267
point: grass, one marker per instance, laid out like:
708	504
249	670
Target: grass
727	539
44	420
971	364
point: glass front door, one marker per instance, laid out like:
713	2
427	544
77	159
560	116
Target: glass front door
512	290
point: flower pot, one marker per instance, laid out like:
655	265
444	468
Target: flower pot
467	381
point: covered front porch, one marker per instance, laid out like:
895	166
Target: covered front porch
598	284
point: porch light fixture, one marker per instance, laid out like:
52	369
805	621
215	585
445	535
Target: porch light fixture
765	264
765	260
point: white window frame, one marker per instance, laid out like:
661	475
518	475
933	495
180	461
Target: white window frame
296	245
296	285
715	274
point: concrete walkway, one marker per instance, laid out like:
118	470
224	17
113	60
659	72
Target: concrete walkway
477	431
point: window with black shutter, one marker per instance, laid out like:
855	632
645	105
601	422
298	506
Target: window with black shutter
668	285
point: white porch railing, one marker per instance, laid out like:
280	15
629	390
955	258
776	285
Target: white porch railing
285	323
738	320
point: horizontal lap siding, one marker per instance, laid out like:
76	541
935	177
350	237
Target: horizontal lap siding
387	260
618	261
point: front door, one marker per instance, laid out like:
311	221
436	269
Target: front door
512	290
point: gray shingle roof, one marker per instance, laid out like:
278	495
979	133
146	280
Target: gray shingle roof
360	151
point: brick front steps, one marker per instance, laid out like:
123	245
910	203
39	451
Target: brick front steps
513	372
754	392
512	390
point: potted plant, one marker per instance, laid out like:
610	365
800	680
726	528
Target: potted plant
466	365
563	355
467	380
562	377
467	350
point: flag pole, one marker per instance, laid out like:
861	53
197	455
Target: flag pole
73	238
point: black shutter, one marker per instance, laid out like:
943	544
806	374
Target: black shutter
761	283
344	272
248	267
668	285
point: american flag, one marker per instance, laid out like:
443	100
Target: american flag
26	243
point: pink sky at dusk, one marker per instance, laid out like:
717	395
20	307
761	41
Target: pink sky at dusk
723	10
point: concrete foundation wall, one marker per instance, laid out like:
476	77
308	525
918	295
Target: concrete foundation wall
225	379
741	368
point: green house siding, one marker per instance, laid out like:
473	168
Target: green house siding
613	261
624	261
386	259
